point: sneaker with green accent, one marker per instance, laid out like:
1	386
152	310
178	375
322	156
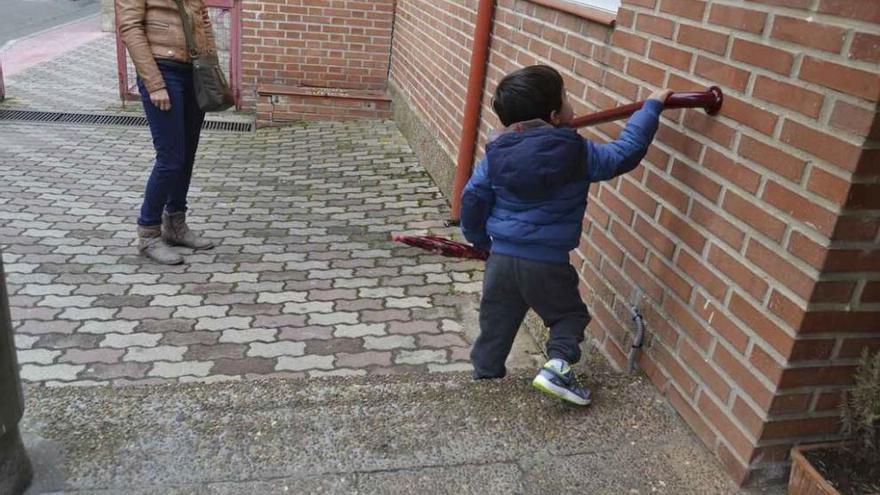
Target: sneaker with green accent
557	378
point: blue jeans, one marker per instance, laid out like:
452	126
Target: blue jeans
176	139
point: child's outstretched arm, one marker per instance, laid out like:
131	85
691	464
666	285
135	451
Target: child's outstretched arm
476	205
606	161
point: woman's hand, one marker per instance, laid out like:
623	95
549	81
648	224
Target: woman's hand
161	100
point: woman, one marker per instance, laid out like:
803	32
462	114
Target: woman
153	32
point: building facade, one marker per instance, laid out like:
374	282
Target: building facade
754	235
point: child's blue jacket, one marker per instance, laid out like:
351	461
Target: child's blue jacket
528	196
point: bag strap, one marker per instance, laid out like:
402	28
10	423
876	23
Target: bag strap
187	29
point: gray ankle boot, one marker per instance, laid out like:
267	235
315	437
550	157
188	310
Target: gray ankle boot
151	245
177	233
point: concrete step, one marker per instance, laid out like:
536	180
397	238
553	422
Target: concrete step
432	433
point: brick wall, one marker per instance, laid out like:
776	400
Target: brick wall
290	46
431	60
754	234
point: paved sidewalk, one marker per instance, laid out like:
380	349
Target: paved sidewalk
305	281
80	80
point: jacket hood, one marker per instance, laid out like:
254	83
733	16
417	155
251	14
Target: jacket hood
532	159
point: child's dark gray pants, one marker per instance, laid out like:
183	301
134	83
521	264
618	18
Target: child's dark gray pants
510	287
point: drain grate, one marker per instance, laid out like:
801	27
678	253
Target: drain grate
114	120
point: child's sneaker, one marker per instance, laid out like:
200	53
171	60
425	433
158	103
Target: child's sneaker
557	379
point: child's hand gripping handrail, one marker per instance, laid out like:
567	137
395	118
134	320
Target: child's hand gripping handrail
710	100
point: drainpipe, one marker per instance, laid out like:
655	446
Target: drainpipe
473	101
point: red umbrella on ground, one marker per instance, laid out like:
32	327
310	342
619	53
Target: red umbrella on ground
442	246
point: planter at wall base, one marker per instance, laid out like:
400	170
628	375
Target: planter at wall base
15	467
805	478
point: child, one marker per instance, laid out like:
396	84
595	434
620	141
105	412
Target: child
525	203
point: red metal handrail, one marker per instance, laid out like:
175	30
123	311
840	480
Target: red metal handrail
710	100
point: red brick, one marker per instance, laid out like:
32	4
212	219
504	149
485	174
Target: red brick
700	365
693	327
621	86
853	348
786	309
852	260
752	213
629	41
704	277
791	404
861	11
679	141
717	225
642	3
692	9
828	401
789	96
726	328
807	33
659	240
780	269
767	57
763	362
851	228
721	73
871	292
812	350
703	39
745	113
848	80
799	207
843	321
682	229
671	194
735	467
821	145
597	214
865	47
691	417
631	244
748	417
710	127
613	275
730	170
640	276
738	18
730	431
757	320
829	186
610	199
743	376
696	180
795	4
807	427
646	72
668	55
864	197
655	25
675	370
817	376
833	292
637	195
606	246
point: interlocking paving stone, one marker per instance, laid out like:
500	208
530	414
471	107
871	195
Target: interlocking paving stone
304	279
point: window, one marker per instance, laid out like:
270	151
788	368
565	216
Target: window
606	5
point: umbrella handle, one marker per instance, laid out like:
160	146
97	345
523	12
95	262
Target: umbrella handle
710	100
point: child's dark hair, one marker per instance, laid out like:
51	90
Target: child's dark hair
534	92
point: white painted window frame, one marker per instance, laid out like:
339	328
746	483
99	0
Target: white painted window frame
610	6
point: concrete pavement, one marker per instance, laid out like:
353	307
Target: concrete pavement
439	433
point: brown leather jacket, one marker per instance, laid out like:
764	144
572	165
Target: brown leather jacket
152	29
